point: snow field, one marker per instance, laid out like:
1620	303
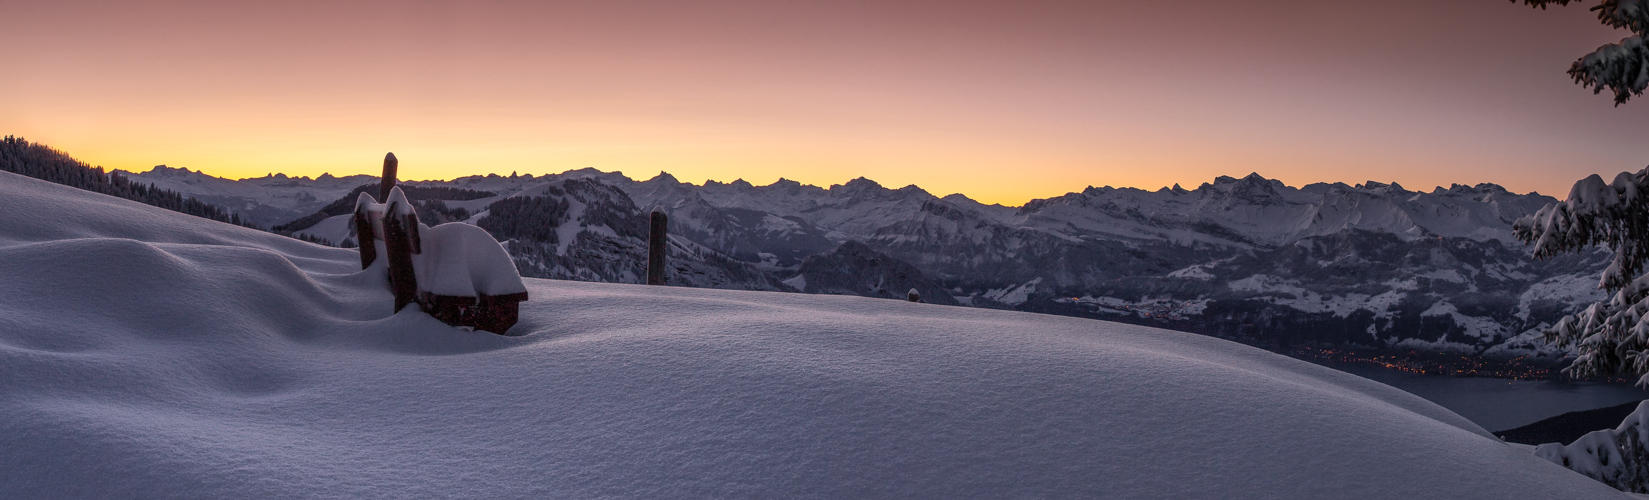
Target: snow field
146	354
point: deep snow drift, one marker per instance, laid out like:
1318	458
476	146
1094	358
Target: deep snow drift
145	353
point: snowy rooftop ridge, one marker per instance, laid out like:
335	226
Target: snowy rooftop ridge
152	354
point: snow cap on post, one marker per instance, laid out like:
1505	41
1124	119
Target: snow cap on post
365	202
402	208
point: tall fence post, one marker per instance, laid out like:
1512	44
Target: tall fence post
656	245
388	179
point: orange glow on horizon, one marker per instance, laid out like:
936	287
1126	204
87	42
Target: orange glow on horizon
1001	102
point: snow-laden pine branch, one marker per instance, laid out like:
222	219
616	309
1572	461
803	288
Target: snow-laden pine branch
1622	67
1611	336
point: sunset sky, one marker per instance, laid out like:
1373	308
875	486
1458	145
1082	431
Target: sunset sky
1002	101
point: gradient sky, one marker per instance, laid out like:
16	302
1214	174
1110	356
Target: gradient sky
1002	101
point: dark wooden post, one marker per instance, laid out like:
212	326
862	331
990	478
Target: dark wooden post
398	234
913	296
364	236
656	245
388	179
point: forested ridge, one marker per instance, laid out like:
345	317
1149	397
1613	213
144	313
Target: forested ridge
19	156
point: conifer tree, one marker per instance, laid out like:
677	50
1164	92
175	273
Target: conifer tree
1612	336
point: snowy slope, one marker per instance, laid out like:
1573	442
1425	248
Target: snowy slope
146	354
336	228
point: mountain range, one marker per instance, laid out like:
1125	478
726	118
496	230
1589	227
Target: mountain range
1371	265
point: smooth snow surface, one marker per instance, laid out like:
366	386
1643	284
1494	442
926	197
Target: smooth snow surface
148	354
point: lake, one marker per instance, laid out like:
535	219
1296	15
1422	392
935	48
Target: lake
1500	404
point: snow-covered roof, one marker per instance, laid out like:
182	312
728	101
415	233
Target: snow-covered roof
461	260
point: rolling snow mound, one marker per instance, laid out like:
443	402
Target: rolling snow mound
149	354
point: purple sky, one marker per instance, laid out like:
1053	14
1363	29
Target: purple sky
1003	101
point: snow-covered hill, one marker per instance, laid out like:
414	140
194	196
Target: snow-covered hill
149	354
1369	265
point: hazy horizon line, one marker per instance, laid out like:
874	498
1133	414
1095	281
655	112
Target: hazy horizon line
1365	184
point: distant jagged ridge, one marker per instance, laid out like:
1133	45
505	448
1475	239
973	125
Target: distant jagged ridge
19	156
